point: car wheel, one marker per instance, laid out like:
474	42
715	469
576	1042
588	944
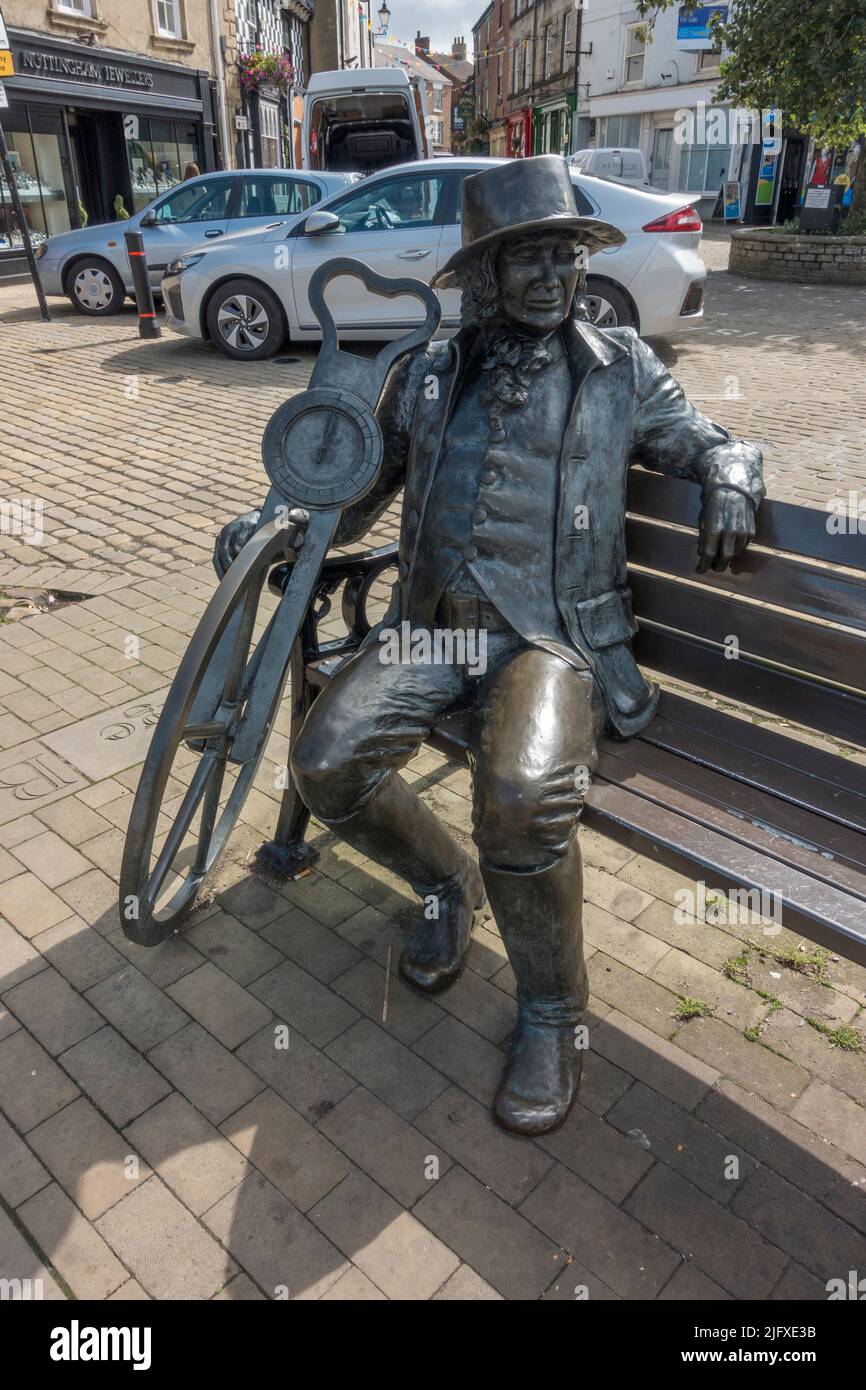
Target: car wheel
608	306
245	320
94	287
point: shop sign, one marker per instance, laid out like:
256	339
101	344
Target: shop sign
731	201
42	64
242	123
7	67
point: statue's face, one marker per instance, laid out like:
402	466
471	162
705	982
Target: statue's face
537	280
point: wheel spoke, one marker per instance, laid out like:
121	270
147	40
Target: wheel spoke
210	806
210	761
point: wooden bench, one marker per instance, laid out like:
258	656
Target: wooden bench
719	796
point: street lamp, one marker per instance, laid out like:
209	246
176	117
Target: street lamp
384	17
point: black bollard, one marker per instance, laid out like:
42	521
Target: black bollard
147	324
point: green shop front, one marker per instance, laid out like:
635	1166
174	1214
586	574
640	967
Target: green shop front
93	130
552	125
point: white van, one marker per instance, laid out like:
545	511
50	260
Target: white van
626	166
361	120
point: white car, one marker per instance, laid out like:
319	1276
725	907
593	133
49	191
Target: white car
249	293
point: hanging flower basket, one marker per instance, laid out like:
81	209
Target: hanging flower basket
260	70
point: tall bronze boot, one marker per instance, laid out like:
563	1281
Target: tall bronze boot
539	915
398	831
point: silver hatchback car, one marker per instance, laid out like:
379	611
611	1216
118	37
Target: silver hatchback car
91	266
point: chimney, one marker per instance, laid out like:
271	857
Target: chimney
458	50
422	44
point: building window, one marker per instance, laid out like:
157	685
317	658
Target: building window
547	67
168	18
709	59
515	68
499	76
622	132
527	63
438	132
82	7
437	96
634	55
566	41
269	130
704	168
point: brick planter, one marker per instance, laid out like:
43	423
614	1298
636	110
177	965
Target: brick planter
816	260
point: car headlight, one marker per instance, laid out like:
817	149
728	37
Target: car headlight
178	267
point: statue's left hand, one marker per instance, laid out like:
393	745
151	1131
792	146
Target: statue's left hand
727	525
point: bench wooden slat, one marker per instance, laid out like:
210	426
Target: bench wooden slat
834	712
824	913
820	847
781	525
759	574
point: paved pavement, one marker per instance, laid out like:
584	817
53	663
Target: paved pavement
159	1139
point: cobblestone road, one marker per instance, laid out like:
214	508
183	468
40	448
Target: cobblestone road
259	1171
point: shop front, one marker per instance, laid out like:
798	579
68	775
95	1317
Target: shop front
519	138
93	132
553	125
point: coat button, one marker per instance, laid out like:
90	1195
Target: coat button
402	569
412	518
471	552
479	515
489	476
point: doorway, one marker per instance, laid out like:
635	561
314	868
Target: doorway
663	140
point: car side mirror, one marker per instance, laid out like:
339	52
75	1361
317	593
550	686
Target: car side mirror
320	222
149	219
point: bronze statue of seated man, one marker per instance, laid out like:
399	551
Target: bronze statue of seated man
512	442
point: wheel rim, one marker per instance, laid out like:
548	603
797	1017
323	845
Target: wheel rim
601	312
158	889
93	288
243	322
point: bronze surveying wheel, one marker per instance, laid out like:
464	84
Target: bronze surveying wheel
221	707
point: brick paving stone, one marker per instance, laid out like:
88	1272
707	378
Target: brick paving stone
304	1003
93	897
79	953
410	1013
32	1086
724	1247
18	958
634	1263
497	1242
295	1157
602	1082
372	932
175	957
137	1009
387	1068
189	1154
598	1153
662	1065
391	1151
632	993
87	1156
805	996
115	1076
788	1034
330	903
464	1057
690	1285
220	1004
210	1077
74	1247
577	1284
797	1285
847	1198
722	1047
789	1219
505	1164
318	949
481	1005
130	1292
241	1289
21	1173
51	859
276	1245
607	891
694	937
621	940
300	1073
354	1287
30	906
51	1009
18	1260
400	1255
689	977
233	947
695	1150
73	820
253	902
163	1245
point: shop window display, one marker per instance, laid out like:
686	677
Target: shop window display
36	159
158	151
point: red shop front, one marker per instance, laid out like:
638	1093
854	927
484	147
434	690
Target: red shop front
519	133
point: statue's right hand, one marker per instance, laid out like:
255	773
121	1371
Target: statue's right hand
232	539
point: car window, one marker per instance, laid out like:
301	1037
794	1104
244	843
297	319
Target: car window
584	206
276	197
610	164
196	202
410	201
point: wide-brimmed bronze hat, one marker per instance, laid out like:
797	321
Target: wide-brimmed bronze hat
516	198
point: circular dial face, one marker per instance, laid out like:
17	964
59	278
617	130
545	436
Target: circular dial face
322	448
